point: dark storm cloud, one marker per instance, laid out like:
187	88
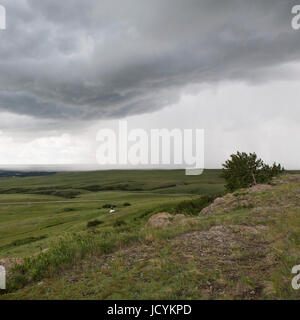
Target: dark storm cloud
94	59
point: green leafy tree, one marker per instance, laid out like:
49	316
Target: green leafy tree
245	170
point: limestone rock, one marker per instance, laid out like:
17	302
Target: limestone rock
161	219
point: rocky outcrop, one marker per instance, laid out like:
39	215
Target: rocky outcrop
165	219
226	204
161	219
260	188
237	200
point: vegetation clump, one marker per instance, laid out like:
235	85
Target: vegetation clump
193	207
94	223
108	206
127	204
246	170
68	210
119	223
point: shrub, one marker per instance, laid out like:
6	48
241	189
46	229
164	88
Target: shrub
108	206
127	204
94	223
119	223
245	170
193	207
68	209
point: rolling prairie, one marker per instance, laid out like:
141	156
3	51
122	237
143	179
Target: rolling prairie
36	210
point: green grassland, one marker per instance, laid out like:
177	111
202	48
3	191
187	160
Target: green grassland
34	211
244	249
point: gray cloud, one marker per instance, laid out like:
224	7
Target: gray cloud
87	60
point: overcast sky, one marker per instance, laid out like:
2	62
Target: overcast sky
69	68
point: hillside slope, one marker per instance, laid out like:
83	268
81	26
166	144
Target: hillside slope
243	246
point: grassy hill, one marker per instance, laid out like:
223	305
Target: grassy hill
242	247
